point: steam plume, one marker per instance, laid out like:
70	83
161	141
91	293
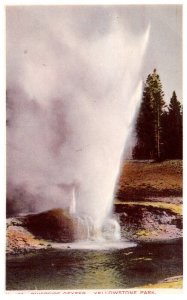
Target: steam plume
73	81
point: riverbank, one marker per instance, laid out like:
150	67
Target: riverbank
139	222
20	240
148	207
149	200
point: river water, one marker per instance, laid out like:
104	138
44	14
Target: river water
94	269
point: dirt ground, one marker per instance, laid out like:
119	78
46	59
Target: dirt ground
140	180
149	200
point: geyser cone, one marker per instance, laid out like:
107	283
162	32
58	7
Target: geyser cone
54	225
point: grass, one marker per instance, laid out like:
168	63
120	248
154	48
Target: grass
147	179
176	208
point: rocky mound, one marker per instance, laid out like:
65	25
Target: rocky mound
149	223
38	231
139	222
54	225
20	240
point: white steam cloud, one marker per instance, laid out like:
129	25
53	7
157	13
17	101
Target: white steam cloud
73	82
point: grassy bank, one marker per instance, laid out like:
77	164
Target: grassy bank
150	194
140	180
175	208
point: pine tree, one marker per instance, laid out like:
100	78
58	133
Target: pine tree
165	133
145	128
148	126
158	104
174	136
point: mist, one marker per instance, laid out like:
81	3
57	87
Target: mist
73	90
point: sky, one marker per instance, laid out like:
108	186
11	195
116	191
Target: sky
165	47
164	51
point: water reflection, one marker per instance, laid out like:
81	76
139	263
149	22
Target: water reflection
100	271
83	269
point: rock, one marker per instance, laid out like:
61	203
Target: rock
149	223
35	230
54	225
14	222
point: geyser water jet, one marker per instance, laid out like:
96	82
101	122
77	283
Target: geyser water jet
73	91
72	208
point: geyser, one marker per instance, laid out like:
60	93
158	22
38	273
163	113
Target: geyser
73	88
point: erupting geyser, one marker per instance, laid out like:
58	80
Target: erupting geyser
73	88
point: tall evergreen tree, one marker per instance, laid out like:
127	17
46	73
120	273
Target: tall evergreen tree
158	104
148	126
145	128
173	129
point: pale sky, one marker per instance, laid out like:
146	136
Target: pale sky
165	45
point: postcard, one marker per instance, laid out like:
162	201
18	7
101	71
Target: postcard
94	149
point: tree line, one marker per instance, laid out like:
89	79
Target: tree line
159	127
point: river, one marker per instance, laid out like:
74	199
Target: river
59	269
